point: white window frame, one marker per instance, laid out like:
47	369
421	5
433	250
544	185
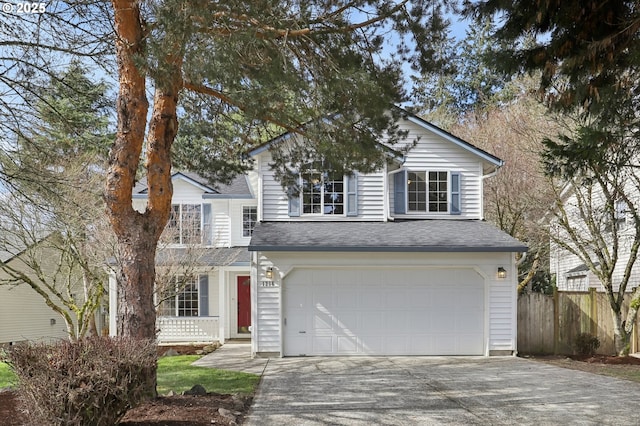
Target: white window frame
252	221
323	180
621	214
447	192
179	228
189	288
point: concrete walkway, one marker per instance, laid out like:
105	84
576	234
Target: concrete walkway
234	356
428	391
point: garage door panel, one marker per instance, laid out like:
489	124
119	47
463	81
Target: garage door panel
371	322
323	345
323	322
371	345
346	345
345	298
323	296
385	312
372	298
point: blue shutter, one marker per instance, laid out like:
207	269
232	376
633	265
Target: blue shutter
207	225
204	296
455	193
294	203
352	194
400	192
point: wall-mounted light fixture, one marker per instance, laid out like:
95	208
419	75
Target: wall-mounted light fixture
269	273
52	321
502	273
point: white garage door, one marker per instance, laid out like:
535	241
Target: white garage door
383	312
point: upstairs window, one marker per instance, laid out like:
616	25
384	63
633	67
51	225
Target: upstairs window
185	224
428	191
179	297
249	219
322	193
621	214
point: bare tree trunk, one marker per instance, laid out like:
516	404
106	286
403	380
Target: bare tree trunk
621	336
138	233
136	311
532	272
632	315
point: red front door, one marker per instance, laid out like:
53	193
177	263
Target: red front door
244	304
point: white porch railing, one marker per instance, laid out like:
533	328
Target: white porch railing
187	329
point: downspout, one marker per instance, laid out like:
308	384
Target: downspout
487	176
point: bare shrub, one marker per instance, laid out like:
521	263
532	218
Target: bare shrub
586	344
92	381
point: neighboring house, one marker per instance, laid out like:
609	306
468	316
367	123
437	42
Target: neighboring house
24	315
208	232
571	273
396	262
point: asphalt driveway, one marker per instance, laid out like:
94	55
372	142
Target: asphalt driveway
428	391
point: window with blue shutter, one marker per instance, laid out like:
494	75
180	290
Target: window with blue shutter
400	192
455	193
352	195
204	295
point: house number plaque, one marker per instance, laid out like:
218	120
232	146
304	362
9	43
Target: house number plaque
268	284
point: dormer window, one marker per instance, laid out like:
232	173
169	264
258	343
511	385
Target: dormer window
185	224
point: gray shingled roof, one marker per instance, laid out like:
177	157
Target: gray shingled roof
399	236
580	268
237	187
221	256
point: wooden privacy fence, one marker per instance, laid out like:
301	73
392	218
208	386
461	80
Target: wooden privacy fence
550	324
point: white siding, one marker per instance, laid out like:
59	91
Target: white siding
214	294
434	153
431	152
500	318
186	193
275	204
265	333
221	223
237	239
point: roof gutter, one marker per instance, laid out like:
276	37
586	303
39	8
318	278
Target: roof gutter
494	172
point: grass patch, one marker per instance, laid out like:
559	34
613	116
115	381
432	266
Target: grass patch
7	378
177	374
621	372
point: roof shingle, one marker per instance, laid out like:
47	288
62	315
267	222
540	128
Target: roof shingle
400	236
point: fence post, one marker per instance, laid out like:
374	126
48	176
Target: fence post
556	321
593	312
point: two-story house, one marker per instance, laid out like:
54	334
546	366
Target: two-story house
204	250
397	262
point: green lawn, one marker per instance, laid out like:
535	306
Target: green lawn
175	373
